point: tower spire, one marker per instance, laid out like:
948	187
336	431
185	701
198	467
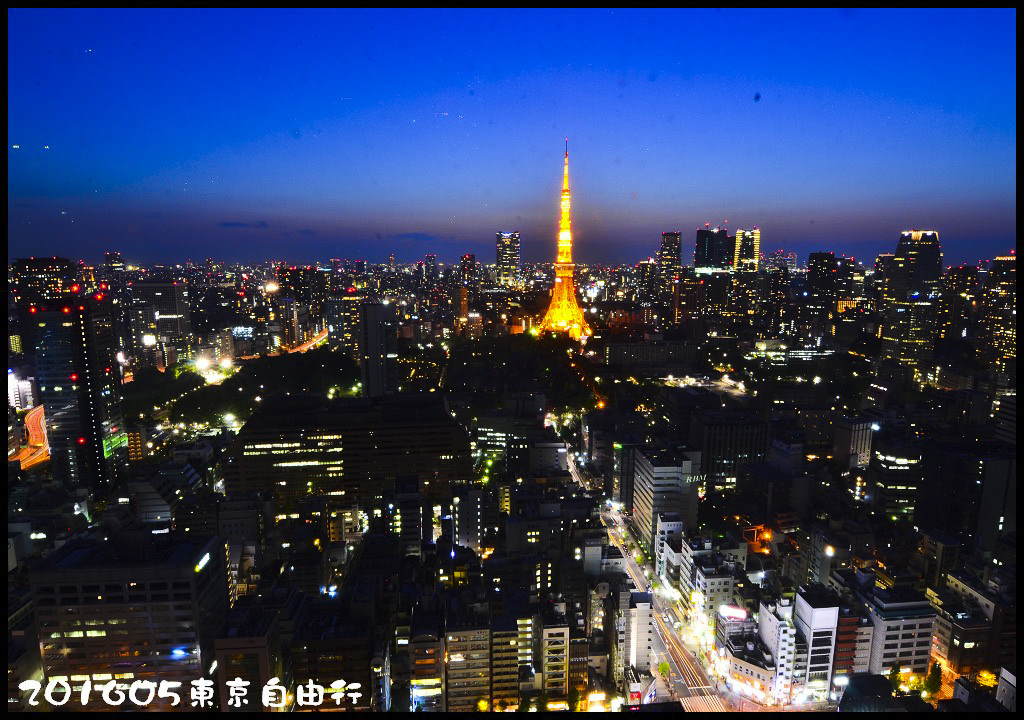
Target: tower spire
564	314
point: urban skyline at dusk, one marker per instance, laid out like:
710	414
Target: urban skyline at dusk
512	361
303	136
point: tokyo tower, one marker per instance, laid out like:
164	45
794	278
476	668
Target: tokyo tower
565	314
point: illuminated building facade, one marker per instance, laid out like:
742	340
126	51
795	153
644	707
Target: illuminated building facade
564	313
958	301
160	315
908	337
467	270
468	646
507	247
669	264
138	606
80	388
999	342
747	253
343	308
35	281
916	266
353	448
896	474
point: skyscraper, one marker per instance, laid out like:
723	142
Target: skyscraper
467	270
160	310
999	322
669	264
377	327
916	266
79	385
117	285
507	258
908	337
713	250
35	282
564	313
747	253
958	301
343	308
430	267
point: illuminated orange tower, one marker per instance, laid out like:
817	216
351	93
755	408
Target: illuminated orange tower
564	313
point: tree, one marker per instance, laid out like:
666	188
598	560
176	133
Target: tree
525	705
574	699
894	677
664	669
933	681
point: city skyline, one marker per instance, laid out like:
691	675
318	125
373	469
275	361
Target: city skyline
436	151
316	396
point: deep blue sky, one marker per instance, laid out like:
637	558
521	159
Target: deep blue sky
249	135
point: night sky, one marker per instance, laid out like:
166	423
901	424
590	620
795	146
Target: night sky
304	135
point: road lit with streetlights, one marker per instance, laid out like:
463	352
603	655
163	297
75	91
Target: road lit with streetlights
699	694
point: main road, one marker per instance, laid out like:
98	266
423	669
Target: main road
699	695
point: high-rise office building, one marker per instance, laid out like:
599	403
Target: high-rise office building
295	447
308	285
908	336
916	266
468	270
35	282
113	276
377	351
747	253
507	245
80	389
822	290
958	302
896	474
138	606
669	264
663	483
647	282
999	322
430	268
161	312
343	310
714	249
727	440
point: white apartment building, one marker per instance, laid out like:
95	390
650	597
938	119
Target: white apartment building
776	629
668	524
635	626
816	616
713	584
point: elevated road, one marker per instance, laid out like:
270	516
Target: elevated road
38	450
